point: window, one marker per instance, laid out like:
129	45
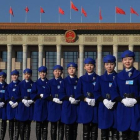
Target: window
34	65
50	63
19	56
4	56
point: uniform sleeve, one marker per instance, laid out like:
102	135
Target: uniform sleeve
97	90
79	91
138	98
115	91
62	91
18	94
7	98
47	92
34	95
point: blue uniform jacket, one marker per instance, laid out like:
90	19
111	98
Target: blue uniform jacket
106	117
127	117
41	105
3	88
68	89
85	87
54	109
11	95
24	92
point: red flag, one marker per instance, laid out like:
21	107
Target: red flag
11	11
83	12
132	11
41	10
100	15
61	11
27	9
120	11
73	6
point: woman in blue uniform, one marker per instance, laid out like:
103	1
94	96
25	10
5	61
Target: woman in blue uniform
41	105
107	109
3	116
25	107
55	105
69	106
88	108
12	104
126	91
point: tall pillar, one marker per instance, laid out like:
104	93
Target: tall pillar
81	60
131	47
9	62
58	49
99	53
25	49
115	53
40	55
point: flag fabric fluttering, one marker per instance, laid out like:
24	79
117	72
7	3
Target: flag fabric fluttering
73	6
100	15
83	12
132	11
120	11
61	11
26	9
42	10
11	12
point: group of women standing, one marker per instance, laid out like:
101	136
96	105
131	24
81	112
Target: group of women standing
110	102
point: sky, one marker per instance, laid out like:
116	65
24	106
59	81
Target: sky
51	14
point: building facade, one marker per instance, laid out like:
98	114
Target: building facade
30	45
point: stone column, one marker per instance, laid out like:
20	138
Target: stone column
9	62
131	47
81	60
99	54
115	53
40	55
58	49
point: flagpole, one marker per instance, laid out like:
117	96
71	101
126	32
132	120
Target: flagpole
25	17
130	15
70	11
99	15
40	17
10	15
115	14
58	15
81	14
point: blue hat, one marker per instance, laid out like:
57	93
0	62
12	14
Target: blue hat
57	67
109	59
3	74
14	72
27	71
72	64
42	69
89	61
128	53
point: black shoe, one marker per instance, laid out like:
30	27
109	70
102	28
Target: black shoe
115	134
44	130
3	129
105	134
86	130
60	131
38	130
53	130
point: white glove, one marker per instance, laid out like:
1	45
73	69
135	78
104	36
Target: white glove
108	104
73	101
15	105
56	100
25	103
92	102
30	101
1	104
132	101
127	102
41	95
11	103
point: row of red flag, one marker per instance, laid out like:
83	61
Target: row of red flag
61	11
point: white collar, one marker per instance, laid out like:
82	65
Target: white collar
42	79
71	76
27	81
14	81
127	70
90	73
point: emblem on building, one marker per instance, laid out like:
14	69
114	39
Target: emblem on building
70	36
